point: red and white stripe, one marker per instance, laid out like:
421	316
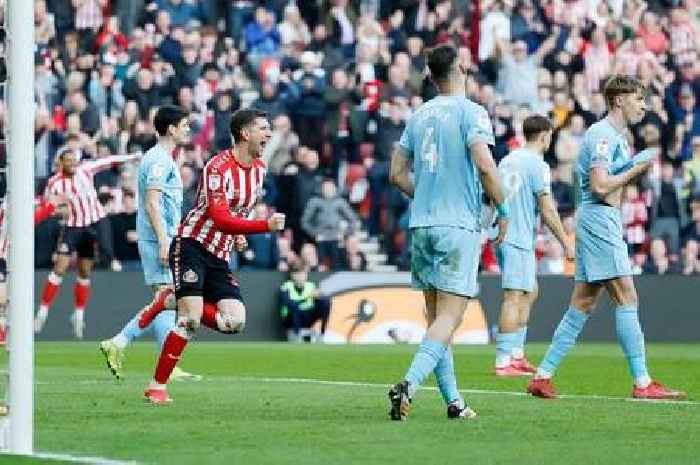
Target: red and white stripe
78	189
240	184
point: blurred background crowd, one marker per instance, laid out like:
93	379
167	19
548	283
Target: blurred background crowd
339	78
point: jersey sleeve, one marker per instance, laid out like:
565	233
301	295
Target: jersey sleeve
541	179
601	149
156	173
213	183
477	125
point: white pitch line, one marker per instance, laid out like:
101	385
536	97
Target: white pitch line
79	459
466	391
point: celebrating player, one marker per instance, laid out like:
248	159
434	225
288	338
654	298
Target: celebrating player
230	185
447	142
75	181
526	182
602	261
157	218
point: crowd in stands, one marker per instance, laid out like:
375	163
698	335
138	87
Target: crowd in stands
338	79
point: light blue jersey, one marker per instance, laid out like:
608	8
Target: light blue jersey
159	171
447	185
601	252
603	147
525	177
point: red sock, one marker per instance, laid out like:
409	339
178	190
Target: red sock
157	306
172	348
209	316
82	293
53	284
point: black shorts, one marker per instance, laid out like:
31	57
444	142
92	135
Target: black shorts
81	240
197	272
3	270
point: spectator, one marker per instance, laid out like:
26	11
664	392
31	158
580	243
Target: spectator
668	212
310	110
263	251
634	219
106	93
302	305
562	191
352	258
691	259
283	142
658	262
124	233
293	30
262	37
327	219
691	170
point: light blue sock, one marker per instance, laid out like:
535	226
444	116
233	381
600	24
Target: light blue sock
518	349
131	331
504	345
446	380
427	357
629	333
563	340
162	324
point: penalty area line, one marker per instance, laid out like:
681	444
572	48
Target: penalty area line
466	391
80	459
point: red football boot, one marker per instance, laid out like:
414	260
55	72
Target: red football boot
157	396
541	387
657	391
523	364
511	371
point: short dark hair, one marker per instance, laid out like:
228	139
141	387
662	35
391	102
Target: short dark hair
243	118
166	116
621	85
440	61
535	125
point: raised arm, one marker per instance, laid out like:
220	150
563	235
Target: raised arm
95	166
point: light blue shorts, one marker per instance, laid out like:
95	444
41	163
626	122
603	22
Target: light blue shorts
601	252
153	272
445	258
518	268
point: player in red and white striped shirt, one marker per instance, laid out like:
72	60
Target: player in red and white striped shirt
231	183
74	181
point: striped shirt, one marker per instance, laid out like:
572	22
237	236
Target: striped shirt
84	208
224	178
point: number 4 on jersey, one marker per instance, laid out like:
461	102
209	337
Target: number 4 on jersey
428	151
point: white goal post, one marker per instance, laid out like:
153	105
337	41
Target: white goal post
19	97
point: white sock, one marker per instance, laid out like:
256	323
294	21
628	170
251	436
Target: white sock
541	374
502	361
120	341
642	381
154	385
43	312
79	314
517	352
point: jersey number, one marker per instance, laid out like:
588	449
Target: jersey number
428	151
512	183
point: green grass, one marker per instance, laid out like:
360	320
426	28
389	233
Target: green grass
237	415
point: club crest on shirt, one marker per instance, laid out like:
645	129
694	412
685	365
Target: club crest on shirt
214	182
190	276
157	170
602	147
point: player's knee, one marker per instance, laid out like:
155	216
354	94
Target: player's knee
171	302
234	321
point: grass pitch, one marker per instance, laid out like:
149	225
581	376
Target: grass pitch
257	405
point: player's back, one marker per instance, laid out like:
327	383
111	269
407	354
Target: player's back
158	170
603	147
447	186
525	176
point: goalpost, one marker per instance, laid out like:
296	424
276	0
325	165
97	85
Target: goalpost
19	98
